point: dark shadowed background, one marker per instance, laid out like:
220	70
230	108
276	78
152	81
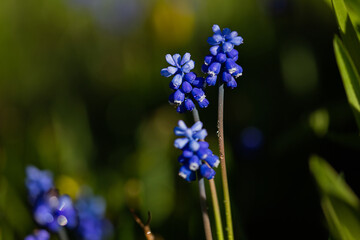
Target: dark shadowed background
81	95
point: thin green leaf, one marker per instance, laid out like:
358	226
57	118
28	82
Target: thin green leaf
350	77
340	13
339	203
353	7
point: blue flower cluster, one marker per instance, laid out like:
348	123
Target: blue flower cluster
50	210
38	235
196	155
186	85
222	60
53	211
92	222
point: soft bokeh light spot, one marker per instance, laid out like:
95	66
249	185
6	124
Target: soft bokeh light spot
68	185
173	23
251	137
319	122
299	69
62	220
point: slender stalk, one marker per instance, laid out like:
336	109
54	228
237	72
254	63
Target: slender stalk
217	215
229	226
62	234
202	192
204	211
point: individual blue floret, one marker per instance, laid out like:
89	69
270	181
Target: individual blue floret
92	222
223	41
39	235
196	155
221	63
37	182
53	211
185	83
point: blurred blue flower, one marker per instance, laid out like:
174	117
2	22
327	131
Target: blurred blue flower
196	154
52	211
222	60
186	85
92	223
38	235
37	182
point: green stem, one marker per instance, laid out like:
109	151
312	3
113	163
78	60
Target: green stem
62	234
229	226
217	215
202	192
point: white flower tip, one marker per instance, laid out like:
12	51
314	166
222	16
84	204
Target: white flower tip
183	175
216	164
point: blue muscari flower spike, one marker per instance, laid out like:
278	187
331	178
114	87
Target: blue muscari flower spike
184	83
37	182
39	235
221	63
196	154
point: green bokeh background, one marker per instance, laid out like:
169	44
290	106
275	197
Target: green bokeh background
81	95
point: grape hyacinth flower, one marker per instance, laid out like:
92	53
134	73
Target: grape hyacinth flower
221	63
92	222
37	182
53	211
186	85
196	154
38	235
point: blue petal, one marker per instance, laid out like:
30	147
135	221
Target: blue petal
190	77
211	80
194	163
181	159
221	57
238	71
187	153
212	41
232	35
169	59
176	81
181	108
197	126
204	145
214	69
232	84
226	31
186	87
213	160
179	131
204	68
185	58
198	94
230	66
208	59
188	66
189	104
207	172
214	50
237	41
165	72
187	174
200	134
181	142
204	103
182	125
216	29
177	59
226	77
218	38
227	47
179	97
233	53
199	82
194	145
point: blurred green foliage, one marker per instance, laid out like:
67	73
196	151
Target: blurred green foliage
81	95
